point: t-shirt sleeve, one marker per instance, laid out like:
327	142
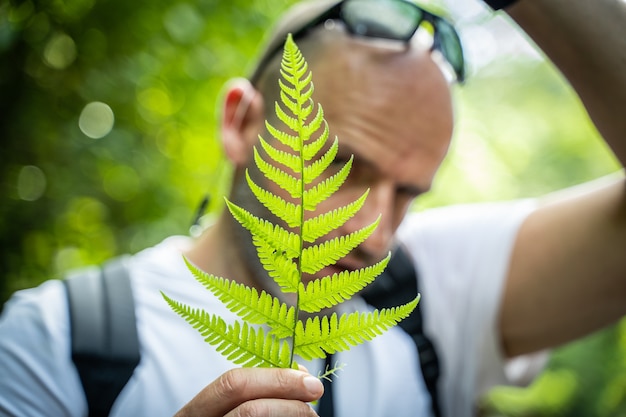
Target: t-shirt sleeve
37	377
462	255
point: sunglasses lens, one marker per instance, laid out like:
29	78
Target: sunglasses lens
450	45
381	19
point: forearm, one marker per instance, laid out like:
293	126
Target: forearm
586	40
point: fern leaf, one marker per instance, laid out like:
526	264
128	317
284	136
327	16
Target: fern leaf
320	225
294	66
281	251
306	83
326	188
292	71
319	337
306	95
250	347
313	127
281	268
316	257
247	303
243	345
285	138
314	170
276	236
290	121
306	110
287	182
290	213
329	291
290	161
287	99
291	92
296	107
312	148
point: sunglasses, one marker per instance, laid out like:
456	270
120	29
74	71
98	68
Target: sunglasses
381	19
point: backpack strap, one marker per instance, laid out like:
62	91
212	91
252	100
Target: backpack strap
398	285
105	345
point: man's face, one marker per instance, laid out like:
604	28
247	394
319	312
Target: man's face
391	109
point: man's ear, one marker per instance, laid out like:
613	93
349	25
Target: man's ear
242	118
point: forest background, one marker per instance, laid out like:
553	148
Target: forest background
108	114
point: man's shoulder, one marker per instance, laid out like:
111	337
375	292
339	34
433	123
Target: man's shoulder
458	222
456	214
44	304
34	353
162	268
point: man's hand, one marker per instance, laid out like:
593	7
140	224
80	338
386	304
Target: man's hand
259	392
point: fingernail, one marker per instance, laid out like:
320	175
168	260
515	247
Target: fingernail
313	385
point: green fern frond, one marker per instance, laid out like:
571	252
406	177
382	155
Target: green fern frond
291	122
318	167
270	332
320	225
289	92
319	337
287	182
290	161
275	235
246	346
326	188
297	107
316	257
288	212
313	126
330	372
313	147
285	138
243	345
281	268
247	303
306	93
286	97
329	291
293	67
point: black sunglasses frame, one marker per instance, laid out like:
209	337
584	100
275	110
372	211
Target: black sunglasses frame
335	12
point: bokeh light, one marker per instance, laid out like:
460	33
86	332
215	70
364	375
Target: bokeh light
96	120
31	183
60	51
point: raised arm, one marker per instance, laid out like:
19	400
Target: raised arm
568	269
587	42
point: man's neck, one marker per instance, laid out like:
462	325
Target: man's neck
216	252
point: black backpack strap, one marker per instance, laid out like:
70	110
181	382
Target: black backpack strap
105	346
398	285
327	403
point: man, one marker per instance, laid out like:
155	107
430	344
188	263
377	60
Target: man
498	281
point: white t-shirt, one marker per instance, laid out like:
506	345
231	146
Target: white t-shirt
461	253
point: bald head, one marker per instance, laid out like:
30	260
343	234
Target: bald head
364	71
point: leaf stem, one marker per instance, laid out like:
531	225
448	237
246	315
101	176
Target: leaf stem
300	126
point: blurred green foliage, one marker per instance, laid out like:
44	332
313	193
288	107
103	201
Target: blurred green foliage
108	120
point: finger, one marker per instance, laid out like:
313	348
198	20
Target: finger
273	408
240	385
